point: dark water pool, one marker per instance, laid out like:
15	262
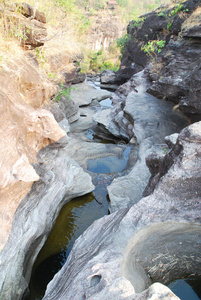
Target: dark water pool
186	289
75	217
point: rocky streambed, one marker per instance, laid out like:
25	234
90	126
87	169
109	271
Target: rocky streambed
145	239
122	254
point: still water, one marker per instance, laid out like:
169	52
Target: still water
75	217
186	289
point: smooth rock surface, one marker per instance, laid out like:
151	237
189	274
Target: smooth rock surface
25	129
61	179
119	256
83	94
153	119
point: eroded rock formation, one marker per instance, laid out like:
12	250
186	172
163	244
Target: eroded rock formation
175	74
122	254
26	128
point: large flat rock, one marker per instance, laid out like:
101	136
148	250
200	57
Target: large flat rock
83	94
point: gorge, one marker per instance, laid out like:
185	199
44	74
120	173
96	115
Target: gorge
145	146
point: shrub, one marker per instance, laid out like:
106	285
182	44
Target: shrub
123	41
152	48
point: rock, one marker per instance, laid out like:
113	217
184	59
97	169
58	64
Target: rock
114	120
24	132
61	179
179	77
174	72
32	85
150	242
83	94
74	76
30	12
69	108
104	31
191	28
171	140
166	163
26	24
106	122
152	120
108	76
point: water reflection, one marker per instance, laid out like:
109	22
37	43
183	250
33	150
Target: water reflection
186	289
75	217
109	164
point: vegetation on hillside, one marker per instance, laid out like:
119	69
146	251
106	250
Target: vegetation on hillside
68	23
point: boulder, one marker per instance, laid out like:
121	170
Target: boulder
191	28
30	12
134	252
108	76
82	94
74	76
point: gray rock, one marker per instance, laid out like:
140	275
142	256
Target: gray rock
83	94
61	179
119	256
108	76
64	124
70	109
153	119
171	139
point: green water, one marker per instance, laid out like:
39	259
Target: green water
75	217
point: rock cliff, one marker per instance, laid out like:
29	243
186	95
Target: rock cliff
33	186
175	74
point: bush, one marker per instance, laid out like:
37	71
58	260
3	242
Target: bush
123	42
153	47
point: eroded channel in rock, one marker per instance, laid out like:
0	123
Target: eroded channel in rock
104	163
75	217
104	159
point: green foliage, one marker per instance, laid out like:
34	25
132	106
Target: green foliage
139	22
151	7
98	61
152	48
123	3
123	41
40	55
176	9
52	76
63	93
169	25
161	14
67	5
